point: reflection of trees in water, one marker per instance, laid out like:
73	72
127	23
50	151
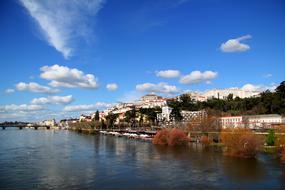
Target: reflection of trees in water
241	169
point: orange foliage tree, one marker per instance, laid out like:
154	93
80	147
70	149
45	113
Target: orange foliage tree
161	137
280	138
171	137
240	142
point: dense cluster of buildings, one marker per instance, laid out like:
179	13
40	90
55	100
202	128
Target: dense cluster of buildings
165	117
222	94
252	121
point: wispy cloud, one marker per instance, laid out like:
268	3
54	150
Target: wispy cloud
268	75
62	76
21	107
9	90
196	77
35	87
63	21
87	107
235	45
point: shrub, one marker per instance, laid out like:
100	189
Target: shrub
205	140
271	138
240	142
161	137
171	137
177	137
280	140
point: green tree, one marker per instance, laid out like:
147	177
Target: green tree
271	138
150	113
130	117
111	118
176	114
96	118
230	97
280	90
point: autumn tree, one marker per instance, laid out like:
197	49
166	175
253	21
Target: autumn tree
240	142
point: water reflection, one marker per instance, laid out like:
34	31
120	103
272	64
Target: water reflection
243	169
32	159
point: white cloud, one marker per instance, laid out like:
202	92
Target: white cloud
87	107
112	87
63	21
163	88
258	88
168	73
21	107
62	76
196	77
53	100
35	87
235	45
9	90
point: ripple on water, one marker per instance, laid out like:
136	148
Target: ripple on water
65	160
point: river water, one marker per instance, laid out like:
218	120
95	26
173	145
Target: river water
46	159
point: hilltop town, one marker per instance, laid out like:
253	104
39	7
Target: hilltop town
222	108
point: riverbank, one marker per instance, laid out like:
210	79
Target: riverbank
248	147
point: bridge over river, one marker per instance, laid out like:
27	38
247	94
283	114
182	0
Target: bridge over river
21	126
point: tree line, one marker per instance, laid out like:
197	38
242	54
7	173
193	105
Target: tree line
266	103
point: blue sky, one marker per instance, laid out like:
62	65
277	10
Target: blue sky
58	57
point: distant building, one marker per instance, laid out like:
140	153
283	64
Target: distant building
164	116
150	97
187	116
223	93
231	121
190	116
262	121
196	96
65	123
251	121
85	118
50	123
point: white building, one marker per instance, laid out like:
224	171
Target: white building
191	116
150	97
50	123
231	121
262	121
85	118
223	93
187	116
164	116
196	96
251	121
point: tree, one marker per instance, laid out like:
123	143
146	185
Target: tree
150	113
280	90
130	116
111	118
271	138
230	97
96	118
240	142
175	114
